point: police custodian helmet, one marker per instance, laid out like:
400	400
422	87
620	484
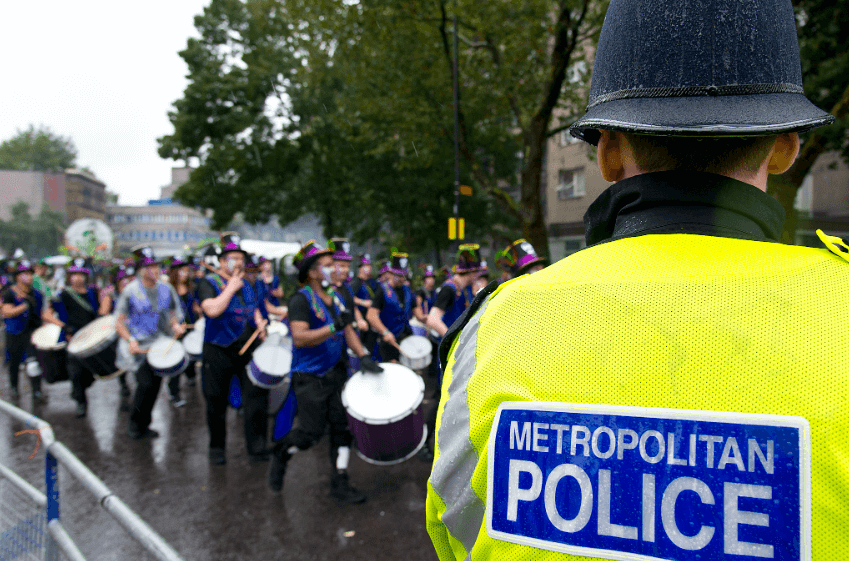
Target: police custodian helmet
706	68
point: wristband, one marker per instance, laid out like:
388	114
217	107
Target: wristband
332	328
384	333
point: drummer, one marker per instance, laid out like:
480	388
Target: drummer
391	308
523	258
180	276
22	312
341	269
77	305
146	309
363	287
252	270
123	276
230	305
318	326
481	280
426	296
452	297
273	290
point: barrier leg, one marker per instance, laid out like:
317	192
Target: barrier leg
51	550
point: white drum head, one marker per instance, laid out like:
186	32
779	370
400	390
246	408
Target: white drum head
272	359
416	346
380	399
94	337
278	327
47	337
165	353
200	326
193	342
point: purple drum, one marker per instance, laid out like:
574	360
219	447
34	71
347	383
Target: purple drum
353	363
418	328
385	414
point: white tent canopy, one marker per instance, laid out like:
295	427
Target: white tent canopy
270	250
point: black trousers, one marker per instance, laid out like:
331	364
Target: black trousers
219	366
319	404
81	379
18	345
147	390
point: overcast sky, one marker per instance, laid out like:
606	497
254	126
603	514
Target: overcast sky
104	73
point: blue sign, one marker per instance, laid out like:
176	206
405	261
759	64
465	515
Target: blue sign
632	483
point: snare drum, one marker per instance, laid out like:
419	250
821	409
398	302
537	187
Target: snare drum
418	350
49	342
167	357
385	414
193	341
418	328
270	364
277	327
95	345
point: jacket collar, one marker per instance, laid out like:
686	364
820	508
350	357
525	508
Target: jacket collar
683	202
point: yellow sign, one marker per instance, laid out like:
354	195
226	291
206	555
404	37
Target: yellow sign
456	231
461	229
465	190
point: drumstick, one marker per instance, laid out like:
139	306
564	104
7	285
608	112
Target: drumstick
400	350
253	337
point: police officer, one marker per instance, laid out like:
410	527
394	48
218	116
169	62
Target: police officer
77	305
319	325
232	312
22	314
147	308
669	391
392	307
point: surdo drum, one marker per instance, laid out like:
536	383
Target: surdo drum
193	341
95	345
167	357
418	327
385	414
417	352
271	363
49	342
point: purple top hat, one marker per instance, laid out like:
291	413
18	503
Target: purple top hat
124	272
144	256
78	265
468	258
24	266
523	255
384	268
341	249
429	272
399	264
306	257
231	241
251	263
178	262
363	259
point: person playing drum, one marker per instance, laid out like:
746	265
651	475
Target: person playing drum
341	269
319	323
232	313
273	290
77	305
180	276
391	308
146	309
22	313
124	276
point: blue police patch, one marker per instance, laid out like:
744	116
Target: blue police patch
634	483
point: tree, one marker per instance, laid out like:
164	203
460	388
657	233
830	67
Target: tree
37	150
38	237
386	68
825	68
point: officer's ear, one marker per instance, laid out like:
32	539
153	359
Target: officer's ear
784	153
610	155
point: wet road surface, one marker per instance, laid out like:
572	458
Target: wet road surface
214	512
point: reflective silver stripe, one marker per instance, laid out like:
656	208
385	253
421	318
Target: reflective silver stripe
452	472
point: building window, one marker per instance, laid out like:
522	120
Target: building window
574	245
570	184
566	139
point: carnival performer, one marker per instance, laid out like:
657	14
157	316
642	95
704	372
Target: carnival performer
363	287
319	322
425	296
180	275
391	308
273	289
453	296
147	308
523	258
341	269
232	312
75	306
22	313
124	276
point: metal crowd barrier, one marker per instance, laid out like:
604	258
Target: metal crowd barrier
23	524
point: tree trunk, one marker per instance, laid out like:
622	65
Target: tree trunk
533	221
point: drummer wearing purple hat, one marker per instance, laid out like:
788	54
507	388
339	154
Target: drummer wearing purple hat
146	309
22	313
77	305
232	310
181	277
341	269
392	307
451	300
320	325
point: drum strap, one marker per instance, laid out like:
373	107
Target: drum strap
79	300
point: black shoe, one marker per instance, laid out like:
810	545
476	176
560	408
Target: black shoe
341	489
217	456
278	469
147	433
125	390
260	457
82	409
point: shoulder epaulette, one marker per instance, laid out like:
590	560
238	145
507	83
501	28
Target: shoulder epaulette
836	245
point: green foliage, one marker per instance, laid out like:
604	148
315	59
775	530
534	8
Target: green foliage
37	150
344	109
38	237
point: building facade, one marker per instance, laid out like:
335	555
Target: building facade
85	196
167	227
36	188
